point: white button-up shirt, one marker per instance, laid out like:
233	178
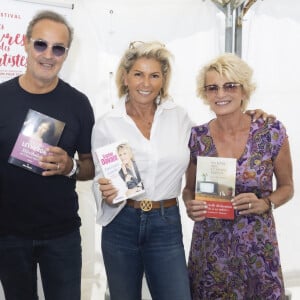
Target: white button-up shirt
162	160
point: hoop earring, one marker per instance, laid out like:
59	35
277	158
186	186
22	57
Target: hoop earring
158	98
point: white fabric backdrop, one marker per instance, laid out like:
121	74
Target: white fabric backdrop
194	31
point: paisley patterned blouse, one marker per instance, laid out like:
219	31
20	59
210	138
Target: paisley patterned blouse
239	259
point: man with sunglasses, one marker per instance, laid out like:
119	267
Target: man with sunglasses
39	221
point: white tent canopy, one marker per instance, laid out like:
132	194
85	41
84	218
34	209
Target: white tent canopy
194	31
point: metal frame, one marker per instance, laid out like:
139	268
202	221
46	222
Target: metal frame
50	3
234	11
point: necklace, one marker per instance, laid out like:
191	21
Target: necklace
140	120
141	116
143	123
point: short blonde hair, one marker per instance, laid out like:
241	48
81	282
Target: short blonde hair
125	146
137	50
234	69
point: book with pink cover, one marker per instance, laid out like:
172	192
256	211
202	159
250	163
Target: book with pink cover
215	184
38	132
118	164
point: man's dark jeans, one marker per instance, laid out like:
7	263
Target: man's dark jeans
59	262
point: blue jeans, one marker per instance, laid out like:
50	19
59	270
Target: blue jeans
138	242
59	260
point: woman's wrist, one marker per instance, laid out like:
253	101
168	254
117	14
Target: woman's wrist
272	204
268	201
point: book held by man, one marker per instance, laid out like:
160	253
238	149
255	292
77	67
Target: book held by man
39	131
118	164
215	184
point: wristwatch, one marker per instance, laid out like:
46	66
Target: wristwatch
272	205
75	170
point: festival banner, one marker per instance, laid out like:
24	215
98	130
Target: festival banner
14	18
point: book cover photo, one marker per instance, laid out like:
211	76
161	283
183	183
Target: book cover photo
38	132
215	184
118	164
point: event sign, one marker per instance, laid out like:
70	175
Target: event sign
14	19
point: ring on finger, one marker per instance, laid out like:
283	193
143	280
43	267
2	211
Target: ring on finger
57	166
250	205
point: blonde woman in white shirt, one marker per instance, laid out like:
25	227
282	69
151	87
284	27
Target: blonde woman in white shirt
138	239
134	241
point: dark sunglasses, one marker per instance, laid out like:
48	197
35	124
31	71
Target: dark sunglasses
41	46
228	87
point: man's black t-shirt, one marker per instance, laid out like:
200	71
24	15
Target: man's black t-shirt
31	205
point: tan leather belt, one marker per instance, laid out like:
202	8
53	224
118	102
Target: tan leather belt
147	204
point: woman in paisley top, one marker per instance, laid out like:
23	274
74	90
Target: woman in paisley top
237	259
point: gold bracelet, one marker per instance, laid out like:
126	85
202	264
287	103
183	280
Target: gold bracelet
267	201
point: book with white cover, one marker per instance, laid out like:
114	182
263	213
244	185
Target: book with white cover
118	164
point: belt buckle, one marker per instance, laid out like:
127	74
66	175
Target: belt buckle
146	204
